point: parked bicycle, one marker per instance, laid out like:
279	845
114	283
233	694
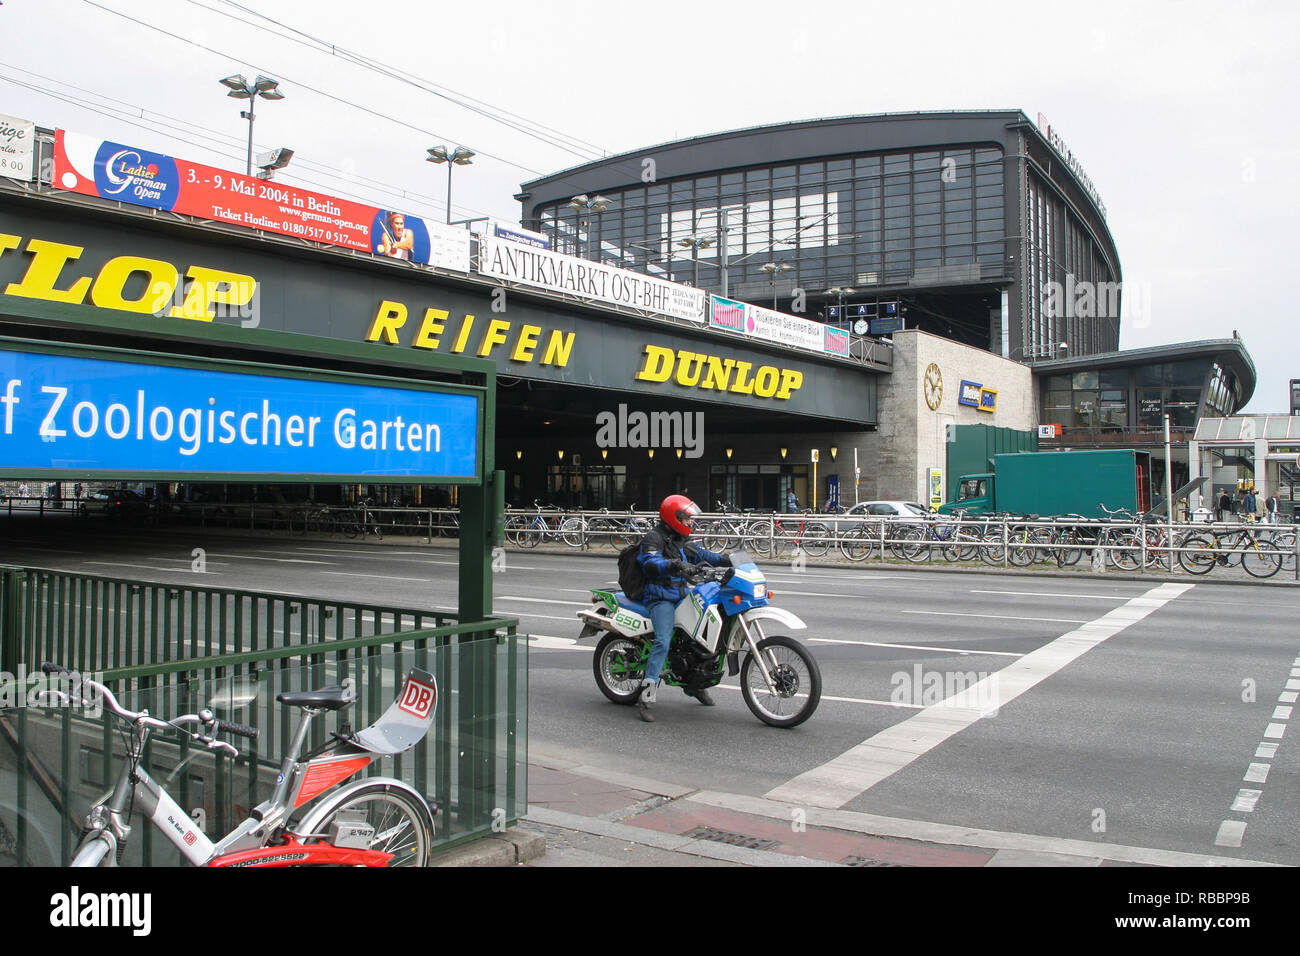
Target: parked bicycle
361	521
375	821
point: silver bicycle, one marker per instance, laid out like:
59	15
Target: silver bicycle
374	821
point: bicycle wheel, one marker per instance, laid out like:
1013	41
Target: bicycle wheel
816	539
1125	552
1260	558
1197	555
573	531
760	537
402	824
1069	548
856	543
350	524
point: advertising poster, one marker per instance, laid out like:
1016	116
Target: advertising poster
17	148
582	277
756	322
142	178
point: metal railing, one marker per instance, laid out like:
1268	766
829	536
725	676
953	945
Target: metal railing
175	649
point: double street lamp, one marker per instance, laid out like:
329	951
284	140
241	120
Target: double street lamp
460	156
774	269
579	204
241	89
695	244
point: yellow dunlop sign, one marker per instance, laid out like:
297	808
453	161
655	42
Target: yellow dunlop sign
45	279
471	336
697	370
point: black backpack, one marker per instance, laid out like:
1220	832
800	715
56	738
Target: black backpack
631	579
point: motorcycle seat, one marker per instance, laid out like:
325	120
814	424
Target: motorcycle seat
636	607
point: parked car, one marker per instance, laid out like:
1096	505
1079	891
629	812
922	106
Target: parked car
120	503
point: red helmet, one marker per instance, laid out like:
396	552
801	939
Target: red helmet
678	512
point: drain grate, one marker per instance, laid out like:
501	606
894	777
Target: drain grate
730	838
864	861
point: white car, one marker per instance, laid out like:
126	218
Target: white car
906	512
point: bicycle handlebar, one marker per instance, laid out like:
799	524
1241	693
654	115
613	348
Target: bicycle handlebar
204	718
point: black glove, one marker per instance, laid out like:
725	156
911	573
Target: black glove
678	567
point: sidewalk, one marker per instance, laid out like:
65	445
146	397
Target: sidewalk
580	816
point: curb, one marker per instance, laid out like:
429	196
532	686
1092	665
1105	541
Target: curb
511	848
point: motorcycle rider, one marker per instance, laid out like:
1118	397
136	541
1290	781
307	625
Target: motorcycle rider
665	557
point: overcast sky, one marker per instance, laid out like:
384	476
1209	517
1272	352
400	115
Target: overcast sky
1183	114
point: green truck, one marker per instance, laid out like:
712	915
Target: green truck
1057	483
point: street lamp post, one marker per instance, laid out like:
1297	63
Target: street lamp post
580	203
696	243
840	295
774	269
240	89
460	156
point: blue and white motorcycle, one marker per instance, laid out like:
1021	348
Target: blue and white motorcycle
725	615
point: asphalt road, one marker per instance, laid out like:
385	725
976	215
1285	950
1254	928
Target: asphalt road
1107	709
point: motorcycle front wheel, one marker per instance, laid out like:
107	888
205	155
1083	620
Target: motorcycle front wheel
619	666
795	675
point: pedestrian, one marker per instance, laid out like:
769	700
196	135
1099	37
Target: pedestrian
791	502
1225	506
22	490
1270	507
1249	504
77	490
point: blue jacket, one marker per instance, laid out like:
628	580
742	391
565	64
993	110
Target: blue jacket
659	548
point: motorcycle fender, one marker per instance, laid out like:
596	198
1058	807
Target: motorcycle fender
733	664
780	615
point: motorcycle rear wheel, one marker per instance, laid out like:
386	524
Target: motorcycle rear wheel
618	664
796	675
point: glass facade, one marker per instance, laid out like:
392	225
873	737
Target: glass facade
883	219
1136	398
1071	294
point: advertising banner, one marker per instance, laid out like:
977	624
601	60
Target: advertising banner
17	148
755	322
582	277
67	412
131	175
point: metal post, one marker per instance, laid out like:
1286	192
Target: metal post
722	233
1169	501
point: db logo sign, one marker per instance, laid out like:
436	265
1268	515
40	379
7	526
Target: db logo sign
418	698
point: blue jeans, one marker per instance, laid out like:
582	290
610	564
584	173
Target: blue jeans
661	615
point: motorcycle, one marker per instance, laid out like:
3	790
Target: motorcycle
722	617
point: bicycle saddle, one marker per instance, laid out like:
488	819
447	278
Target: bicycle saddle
327	698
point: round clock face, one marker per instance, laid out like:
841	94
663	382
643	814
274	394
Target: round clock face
861	326
933	386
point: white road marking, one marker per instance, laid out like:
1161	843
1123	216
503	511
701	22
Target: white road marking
1246	800
1288	696
961	652
380	577
1256	773
1275	731
533	600
1231	833
842	779
1267	751
1281	713
259	557
185	566
1099	597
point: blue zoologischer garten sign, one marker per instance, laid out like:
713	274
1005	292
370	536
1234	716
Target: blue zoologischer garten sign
63	412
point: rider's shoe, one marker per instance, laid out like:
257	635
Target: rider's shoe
644	711
702	695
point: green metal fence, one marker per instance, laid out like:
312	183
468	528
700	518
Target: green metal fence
176	649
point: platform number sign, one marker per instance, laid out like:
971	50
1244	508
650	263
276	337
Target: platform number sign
418	698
